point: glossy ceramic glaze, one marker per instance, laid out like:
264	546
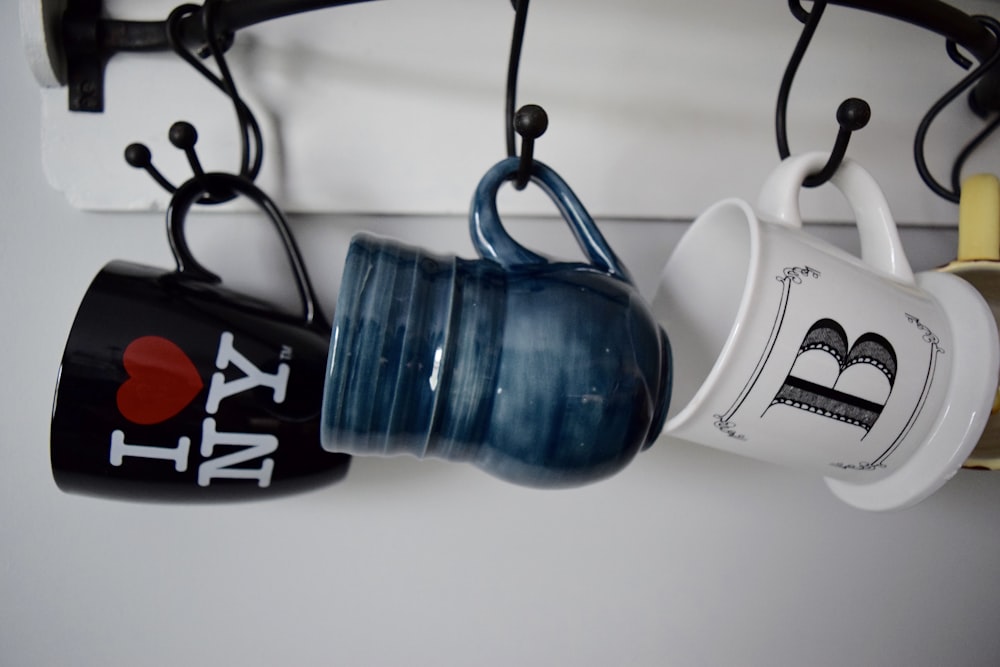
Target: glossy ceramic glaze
174	387
799	353
541	373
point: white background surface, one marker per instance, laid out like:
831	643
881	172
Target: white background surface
688	557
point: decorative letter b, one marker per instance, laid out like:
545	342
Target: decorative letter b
810	393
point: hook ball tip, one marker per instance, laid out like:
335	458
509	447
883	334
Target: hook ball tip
138	155
183	135
853	114
531	121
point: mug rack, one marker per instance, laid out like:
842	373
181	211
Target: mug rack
90	39
86	40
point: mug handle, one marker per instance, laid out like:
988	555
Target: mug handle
191	191
880	244
979	219
493	242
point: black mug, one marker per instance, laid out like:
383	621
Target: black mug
174	387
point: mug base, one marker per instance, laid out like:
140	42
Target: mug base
954	436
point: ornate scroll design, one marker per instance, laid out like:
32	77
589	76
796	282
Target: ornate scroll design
790	276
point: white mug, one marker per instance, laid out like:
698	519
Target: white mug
790	350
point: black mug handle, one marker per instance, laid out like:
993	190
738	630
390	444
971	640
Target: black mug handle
191	191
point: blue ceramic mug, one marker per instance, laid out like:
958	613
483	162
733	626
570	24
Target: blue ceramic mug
539	372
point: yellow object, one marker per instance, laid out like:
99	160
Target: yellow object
978	262
979	219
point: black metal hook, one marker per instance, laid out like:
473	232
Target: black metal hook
852	114
513	65
954	194
251	153
140	157
90	39
183	135
530	121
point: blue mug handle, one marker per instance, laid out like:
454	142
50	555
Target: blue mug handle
493	242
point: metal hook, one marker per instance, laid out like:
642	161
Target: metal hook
954	194
183	135
513	64
140	157
530	121
852	114
251	138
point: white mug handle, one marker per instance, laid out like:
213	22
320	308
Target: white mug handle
880	244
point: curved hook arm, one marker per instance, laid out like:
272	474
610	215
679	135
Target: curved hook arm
252	154
935	16
956	169
852	114
182	134
956	26
513	65
954	194
530	121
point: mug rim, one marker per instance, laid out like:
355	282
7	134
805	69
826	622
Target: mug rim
955	433
957	265
725	355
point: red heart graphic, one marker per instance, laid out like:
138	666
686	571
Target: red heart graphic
162	381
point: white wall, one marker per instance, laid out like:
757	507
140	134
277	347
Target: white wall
688	557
